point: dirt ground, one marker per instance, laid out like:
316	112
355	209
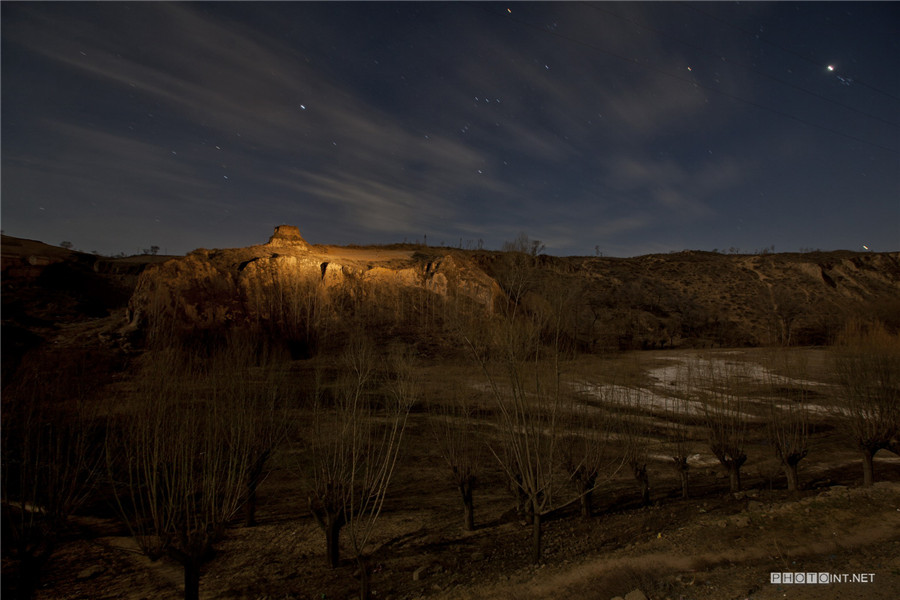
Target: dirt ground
714	546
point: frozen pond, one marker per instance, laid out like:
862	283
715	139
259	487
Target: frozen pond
683	369
685	377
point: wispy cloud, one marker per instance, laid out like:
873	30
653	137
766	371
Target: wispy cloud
251	98
458	121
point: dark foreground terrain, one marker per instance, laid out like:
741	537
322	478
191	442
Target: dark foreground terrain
713	546
66	313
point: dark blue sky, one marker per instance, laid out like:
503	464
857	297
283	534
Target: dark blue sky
630	128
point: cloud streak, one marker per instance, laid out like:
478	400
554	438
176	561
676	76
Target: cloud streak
442	118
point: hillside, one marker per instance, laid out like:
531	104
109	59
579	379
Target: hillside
52	295
112	356
679	300
686	299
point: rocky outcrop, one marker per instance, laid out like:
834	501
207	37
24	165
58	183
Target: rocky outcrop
656	301
209	287
287	236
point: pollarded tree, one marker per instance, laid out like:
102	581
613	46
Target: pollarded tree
724	413
525	387
520	351
453	427
679	441
521	362
867	363
585	452
376	449
355	442
251	370
181	455
331	466
788	422
633	427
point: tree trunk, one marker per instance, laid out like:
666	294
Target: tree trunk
365	585
684	483
331	522
587	508
536	535
191	580
465	490
734	476
250	506
525	507
643	479
868	467
469	516
584	484
332	541
523	504
793	479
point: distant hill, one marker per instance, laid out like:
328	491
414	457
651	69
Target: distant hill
301	292
657	301
47	289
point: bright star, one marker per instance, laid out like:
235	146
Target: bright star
831	67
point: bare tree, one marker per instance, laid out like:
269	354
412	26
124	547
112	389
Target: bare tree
335	425
523	245
288	305
181	456
679	441
585	452
453	426
787	308
788	422
251	368
523	377
52	450
724	414
867	363
516	272
355	445
379	450
633	427
520	352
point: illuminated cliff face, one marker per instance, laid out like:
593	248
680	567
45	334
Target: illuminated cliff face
287	236
656	301
209	287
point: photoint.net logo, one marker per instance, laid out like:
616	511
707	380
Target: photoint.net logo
821	578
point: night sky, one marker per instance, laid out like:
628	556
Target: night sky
618	128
